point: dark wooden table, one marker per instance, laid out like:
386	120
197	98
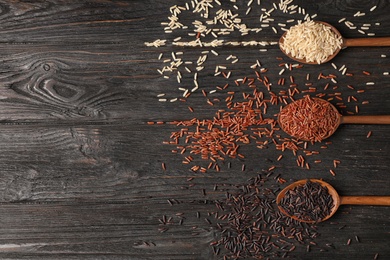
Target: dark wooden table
82	170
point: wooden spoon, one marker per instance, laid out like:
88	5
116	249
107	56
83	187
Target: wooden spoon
354	42
337	200
355	119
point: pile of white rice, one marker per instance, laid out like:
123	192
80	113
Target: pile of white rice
311	41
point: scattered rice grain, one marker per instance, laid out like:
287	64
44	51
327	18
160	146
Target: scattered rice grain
214	52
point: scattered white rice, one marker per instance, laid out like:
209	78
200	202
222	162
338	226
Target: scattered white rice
157	43
230	21
342	20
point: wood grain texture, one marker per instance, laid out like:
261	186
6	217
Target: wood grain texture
81	169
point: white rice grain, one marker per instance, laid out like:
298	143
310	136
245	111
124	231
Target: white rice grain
342	20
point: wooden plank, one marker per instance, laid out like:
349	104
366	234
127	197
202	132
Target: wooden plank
96	230
119	231
106	83
118	161
119	22
63	83
54	21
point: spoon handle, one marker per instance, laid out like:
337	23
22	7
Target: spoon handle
370	120
372	41
365	200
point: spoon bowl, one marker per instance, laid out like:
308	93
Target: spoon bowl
315	119
281	41
337	200
331	190
351	42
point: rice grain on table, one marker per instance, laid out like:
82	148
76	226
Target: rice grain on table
342	20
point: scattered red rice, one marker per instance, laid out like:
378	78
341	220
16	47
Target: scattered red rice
248	121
